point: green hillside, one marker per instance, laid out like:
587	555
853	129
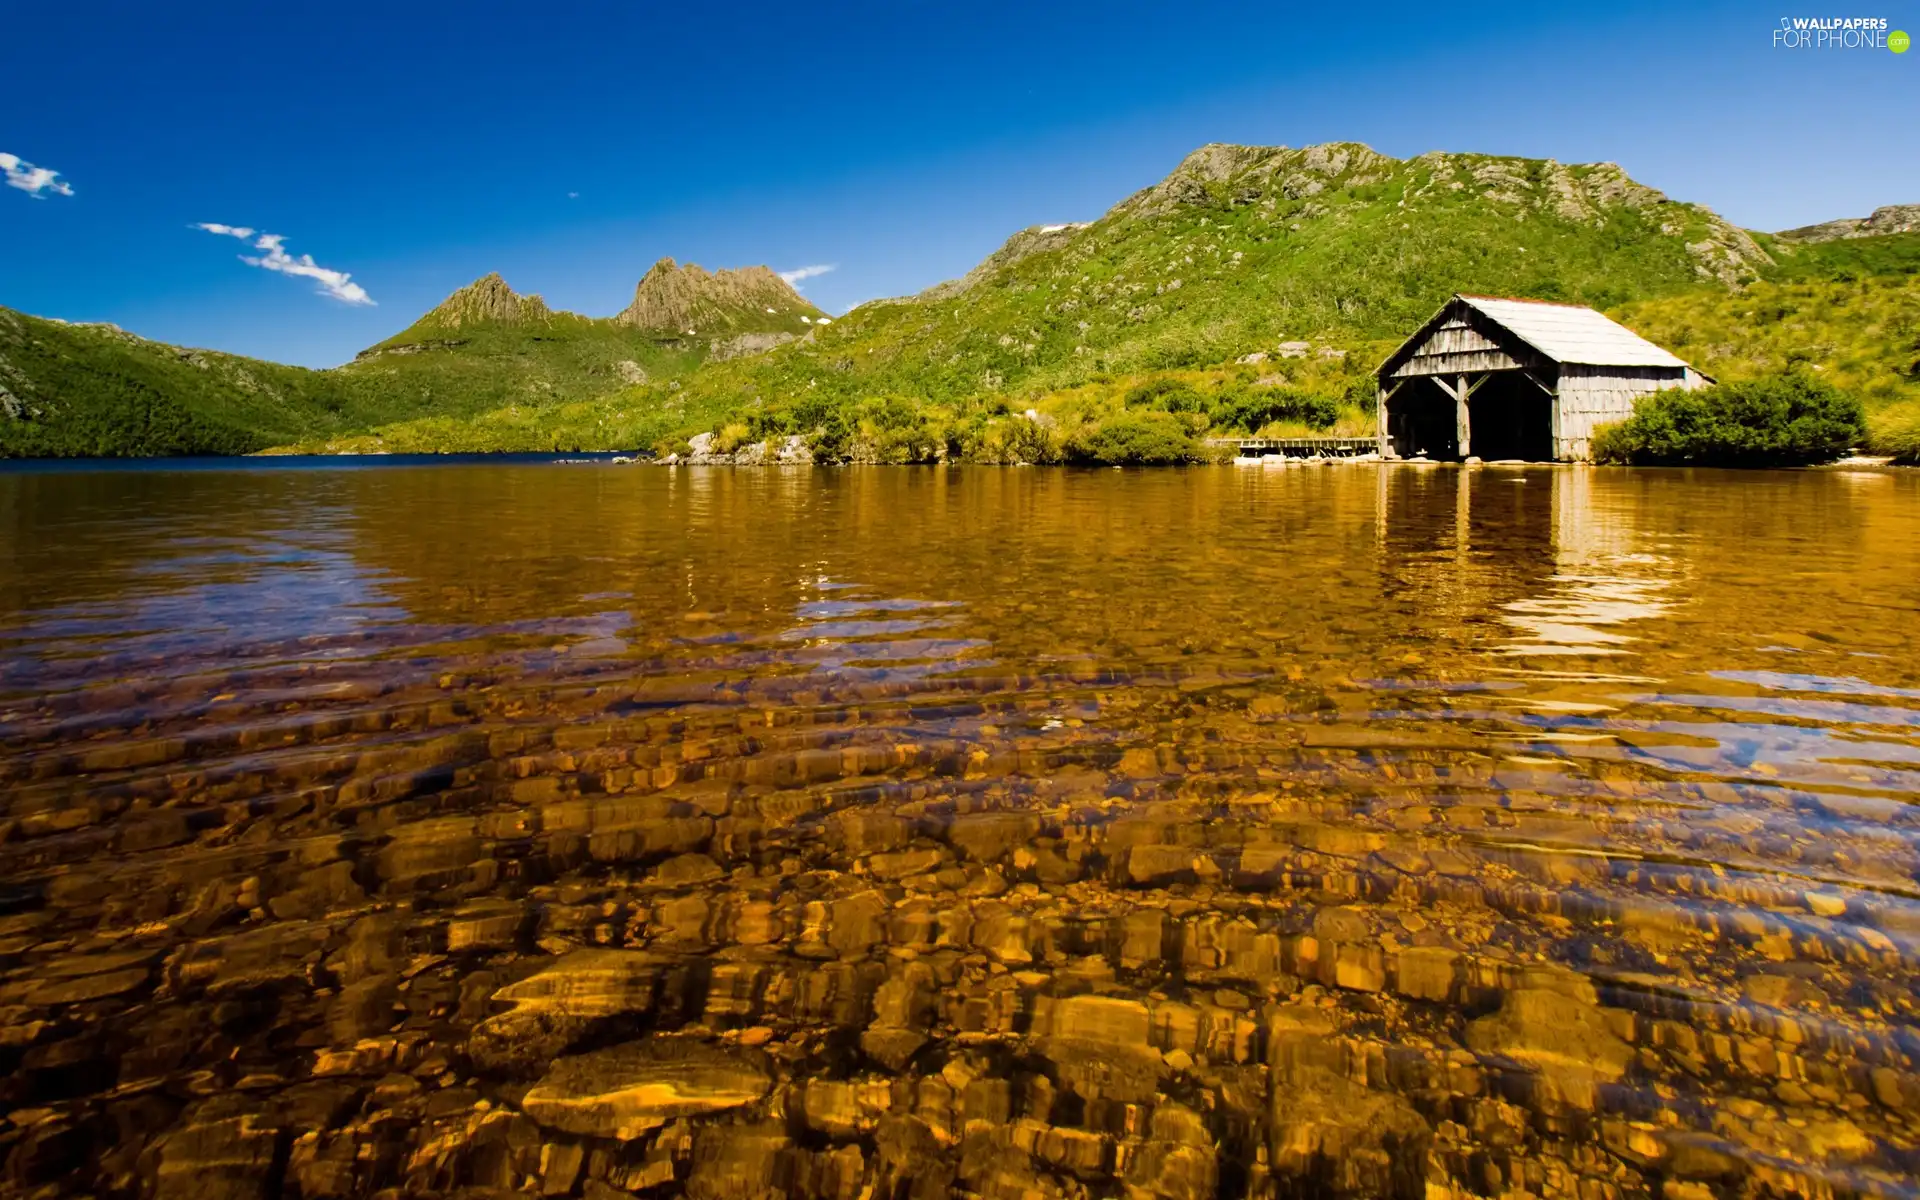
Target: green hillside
1239	250
94	390
70	390
1847	310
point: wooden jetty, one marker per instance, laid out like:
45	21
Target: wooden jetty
1300	447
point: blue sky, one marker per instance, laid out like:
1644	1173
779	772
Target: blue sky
415	147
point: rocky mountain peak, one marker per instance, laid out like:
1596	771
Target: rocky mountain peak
489	299
691	300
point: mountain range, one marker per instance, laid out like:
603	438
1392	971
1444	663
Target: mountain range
1260	282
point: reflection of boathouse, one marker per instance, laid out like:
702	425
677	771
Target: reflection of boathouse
1516	379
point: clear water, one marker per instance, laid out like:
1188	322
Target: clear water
1324	831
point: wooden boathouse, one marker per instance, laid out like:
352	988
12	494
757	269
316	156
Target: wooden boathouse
1491	378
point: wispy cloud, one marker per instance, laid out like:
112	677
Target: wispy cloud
31	179
337	284
798	273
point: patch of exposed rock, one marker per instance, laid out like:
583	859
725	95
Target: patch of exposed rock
1028	242
696	302
704	452
1892	218
1223	176
489	299
745	344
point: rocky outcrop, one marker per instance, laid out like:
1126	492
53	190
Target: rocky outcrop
1893	218
706	450
742	345
488	300
1028	242
695	302
1222	176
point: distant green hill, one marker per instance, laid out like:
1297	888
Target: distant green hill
68	390
1240	249
1846	309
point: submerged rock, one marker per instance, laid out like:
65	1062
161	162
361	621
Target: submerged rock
554	1006
627	1090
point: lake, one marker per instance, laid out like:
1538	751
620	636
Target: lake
1327	831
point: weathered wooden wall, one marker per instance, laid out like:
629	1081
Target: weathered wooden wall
1590	397
1454	347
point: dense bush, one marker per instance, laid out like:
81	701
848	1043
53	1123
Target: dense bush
1896	431
1777	421
1252	408
1137	438
1167	395
1015	439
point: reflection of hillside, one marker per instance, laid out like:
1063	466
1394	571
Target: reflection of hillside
71	536
148	565
1036	553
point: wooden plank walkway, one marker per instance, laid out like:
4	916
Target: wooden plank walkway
1301	447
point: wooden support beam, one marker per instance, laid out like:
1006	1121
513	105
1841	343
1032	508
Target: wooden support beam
1462	421
1536	381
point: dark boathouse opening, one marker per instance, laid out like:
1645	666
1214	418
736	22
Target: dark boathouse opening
1511	418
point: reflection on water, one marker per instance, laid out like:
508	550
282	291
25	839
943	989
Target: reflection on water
873	833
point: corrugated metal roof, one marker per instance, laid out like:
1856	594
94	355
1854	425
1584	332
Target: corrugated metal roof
1570	333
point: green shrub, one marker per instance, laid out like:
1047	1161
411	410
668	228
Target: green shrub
1252	408
1896	431
1777	421
895	429
1167	395
1015	439
1136	438
731	437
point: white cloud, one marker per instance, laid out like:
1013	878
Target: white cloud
31	179
798	273
337	284
573	195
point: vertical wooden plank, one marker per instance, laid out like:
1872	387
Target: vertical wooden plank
1462	423
1380	418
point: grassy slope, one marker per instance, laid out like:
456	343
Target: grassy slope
1848	310
483	368
93	390
1238	250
